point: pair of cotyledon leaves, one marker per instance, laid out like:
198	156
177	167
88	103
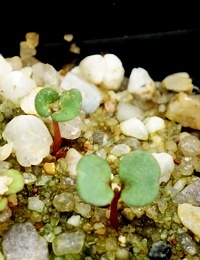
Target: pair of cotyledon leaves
68	106
139	173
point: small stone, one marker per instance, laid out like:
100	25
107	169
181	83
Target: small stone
22	242
166	162
70	242
160	250
154	124
125	110
141	84
184	109
34	203
180	81
72	158
120	150
91	95
64	202
190	217
188	244
135	128
189	146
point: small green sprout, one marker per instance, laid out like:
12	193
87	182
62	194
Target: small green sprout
15	183
139	173
61	108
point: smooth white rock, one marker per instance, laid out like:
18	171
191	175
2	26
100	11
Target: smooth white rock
166	162
72	158
15	85
190	217
5	151
141	84
135	128
91	95
5	66
27	103
154	124
30	137
106	71
125	110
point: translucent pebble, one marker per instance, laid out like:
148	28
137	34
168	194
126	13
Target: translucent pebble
71	129
34	203
135	128
154	123
70	242
120	149
31	139
126	110
22	242
188	244
15	85
64	202
189	146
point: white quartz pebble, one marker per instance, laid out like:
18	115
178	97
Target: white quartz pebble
5	151
27	103
106	71
125	110
166	162
141	84
30	137
15	85
72	158
135	128
91	95
190	217
154	124
5	66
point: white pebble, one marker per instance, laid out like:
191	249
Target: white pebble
91	95
30	137
5	66
74	220
5	151
126	110
141	84
72	159
190	217
106	71
15	85
154	124
120	149
27	103
135	128
166	162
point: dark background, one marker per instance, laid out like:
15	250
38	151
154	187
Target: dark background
161	37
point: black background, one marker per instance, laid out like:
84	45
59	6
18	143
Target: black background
161	37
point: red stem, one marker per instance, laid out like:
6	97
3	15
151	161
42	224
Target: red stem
57	138
113	210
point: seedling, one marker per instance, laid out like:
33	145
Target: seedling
14	183
61	108
139	174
